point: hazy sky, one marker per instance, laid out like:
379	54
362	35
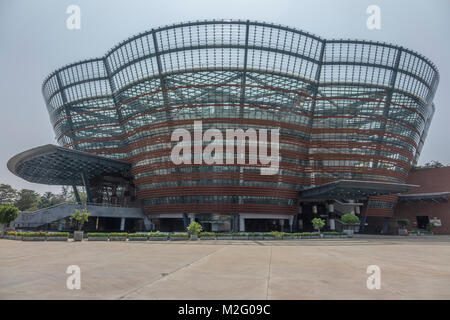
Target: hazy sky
34	41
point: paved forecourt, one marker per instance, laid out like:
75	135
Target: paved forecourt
414	268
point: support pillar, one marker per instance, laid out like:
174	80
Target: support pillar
77	195
185	221
61	224
241	224
236	222
86	186
122	224
331	217
385	225
362	223
291	223
282	225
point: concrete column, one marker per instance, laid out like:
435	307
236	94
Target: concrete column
191	218
353	208
386	225
241	224
185	221
236	222
291	223
86	186
282	224
331	216
122	224
96	224
60	224
362	223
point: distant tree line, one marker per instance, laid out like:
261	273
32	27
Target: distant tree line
431	164
26	199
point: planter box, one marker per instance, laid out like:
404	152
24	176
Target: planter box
57	238
33	238
98	239
118	238
208	238
194	237
314	237
255	238
269	238
158	238
224	237
240	237
178	238
78	235
291	238
137	239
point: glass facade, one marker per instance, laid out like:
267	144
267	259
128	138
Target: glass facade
345	109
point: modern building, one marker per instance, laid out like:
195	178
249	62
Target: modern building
352	116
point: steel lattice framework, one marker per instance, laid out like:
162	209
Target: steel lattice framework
346	109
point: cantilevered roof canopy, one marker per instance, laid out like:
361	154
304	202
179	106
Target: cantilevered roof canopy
50	164
424	197
353	189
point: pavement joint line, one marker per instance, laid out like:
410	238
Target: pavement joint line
166	275
268	274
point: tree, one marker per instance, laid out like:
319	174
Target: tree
403	223
318	223
349	218
80	217
8	213
27	199
7	194
49	199
194	228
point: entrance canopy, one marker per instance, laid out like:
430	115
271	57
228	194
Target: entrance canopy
424	197
54	165
353	189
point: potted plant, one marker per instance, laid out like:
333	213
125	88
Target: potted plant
402	223
95	236
350	221
137	236
8	213
318	224
179	236
80	217
194	230
157	236
207	236
57	236
118	236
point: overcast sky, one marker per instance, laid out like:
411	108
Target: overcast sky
34	41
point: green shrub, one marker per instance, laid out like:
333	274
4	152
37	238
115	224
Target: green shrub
11	233
305	234
254	234
288	235
269	234
179	235
33	234
238	234
118	235
224	234
137	235
158	234
194	228
207	234
58	234
403	222
349	218
97	235
332	233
